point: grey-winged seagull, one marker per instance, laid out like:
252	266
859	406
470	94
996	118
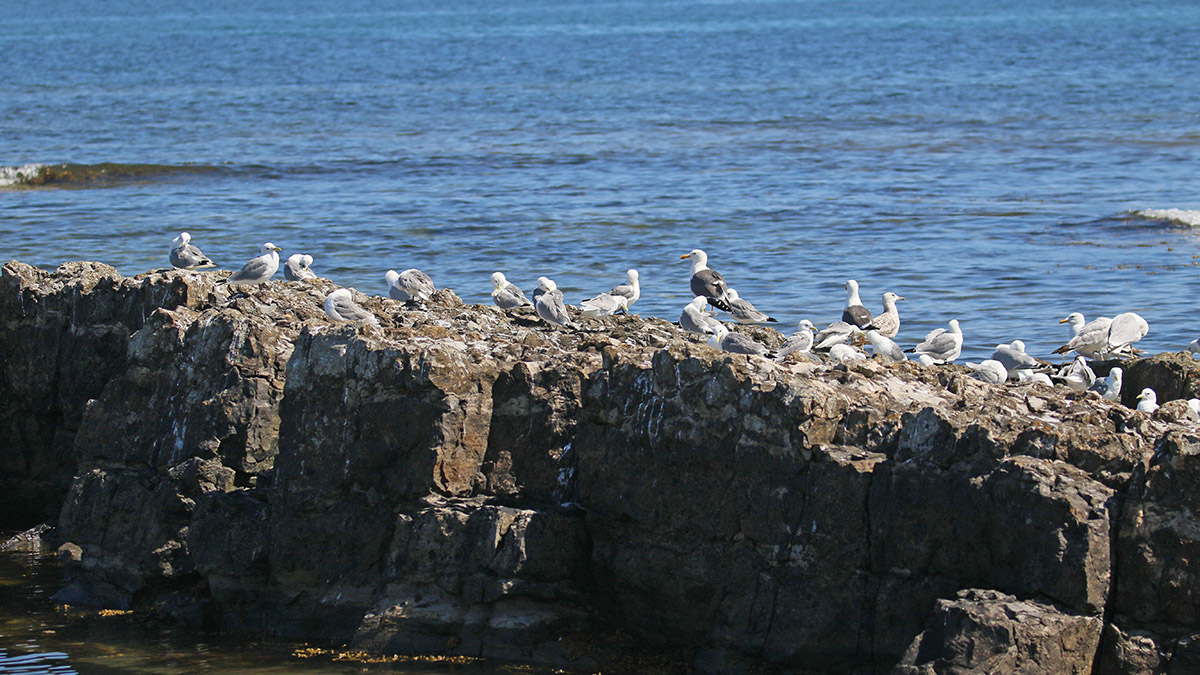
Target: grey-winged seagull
188	257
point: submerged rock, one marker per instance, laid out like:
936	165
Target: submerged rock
463	480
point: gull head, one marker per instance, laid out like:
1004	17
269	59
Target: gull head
805	324
498	279
954	327
182	239
1074	318
546	284
1148	395
631	276
392	277
731	294
891	297
699	302
696	255
1017	345
307	260
268	247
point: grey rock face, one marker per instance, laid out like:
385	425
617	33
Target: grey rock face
460	480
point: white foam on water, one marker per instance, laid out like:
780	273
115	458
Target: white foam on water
1180	216
19	175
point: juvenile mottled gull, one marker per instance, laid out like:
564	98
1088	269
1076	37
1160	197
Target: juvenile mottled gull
1125	330
1147	400
1013	357
833	334
296	267
694	319
506	295
990	370
942	345
884	346
707	282
550	305
1110	387
604	304
631	290
799	342
1087	338
888	323
256	270
188	257
1077	374
340	307
743	312
855	313
409	285
735	343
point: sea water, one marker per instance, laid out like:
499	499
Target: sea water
1004	164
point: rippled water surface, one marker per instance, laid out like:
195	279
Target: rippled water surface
993	162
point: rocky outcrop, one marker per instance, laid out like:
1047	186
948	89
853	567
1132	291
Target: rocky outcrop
462	480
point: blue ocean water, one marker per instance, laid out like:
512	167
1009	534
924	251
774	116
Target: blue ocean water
1000	163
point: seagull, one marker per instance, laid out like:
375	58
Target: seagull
844	352
855	313
296	267
1110	387
1013	357
888	323
409	286
743	312
550	305
340	307
990	370
1125	330
885	346
695	320
926	360
1086	338
631	290
1194	404
188	257
1194	348
603	305
1035	378
800	342
506	295
942	345
706	282
1147	400
735	343
1077	374
256	270
834	334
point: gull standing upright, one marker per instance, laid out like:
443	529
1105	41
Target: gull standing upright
743	312
256	270
707	282
888	323
1087	338
296	267
409	286
800	342
631	290
506	294
942	345
188	257
550	305
339	306
855	313
1125	330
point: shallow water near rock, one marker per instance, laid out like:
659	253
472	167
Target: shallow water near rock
40	636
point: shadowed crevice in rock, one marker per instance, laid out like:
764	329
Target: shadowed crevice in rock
461	480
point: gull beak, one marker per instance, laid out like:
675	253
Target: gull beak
900	298
278	249
1063	321
688	255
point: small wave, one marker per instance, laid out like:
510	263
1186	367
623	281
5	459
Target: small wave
1178	216
93	175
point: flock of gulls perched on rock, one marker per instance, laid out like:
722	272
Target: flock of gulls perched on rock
1100	339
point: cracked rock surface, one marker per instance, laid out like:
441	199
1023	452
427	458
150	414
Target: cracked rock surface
463	480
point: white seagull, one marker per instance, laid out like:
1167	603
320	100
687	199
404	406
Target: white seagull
188	257
409	285
256	270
